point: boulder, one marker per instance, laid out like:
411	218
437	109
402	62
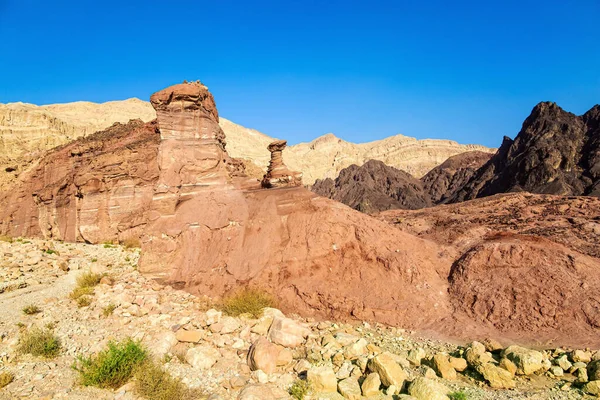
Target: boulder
349	388
458	363
322	379
563	362
389	371
287	332
191	336
428	389
497	377
370	385
263	355
592	387
475	354
261	392
593	370
527	361
202	356
415	356
442	366
581	356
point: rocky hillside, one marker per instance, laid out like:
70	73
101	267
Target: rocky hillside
375	186
555	152
27	130
199	349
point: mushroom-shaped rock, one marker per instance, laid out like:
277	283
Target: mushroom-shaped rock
278	174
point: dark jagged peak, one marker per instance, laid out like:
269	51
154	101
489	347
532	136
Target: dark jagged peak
556	152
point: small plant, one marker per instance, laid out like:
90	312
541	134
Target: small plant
84	301
109	246
31	309
108	310
94	259
20	325
50	251
154	383
39	343
112	367
88	279
299	389
460	395
6	238
251	301
81	291
131	243
6	378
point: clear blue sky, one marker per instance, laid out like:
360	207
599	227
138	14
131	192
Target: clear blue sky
464	70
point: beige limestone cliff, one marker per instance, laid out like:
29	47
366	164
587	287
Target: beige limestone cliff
27	131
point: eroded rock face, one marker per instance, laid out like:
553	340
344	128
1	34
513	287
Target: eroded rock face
278	174
89	190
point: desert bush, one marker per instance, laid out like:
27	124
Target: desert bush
251	301
460	395
31	309
80	292
299	389
131	243
6	378
84	301
6	238
154	383
39	342
88	279
108	310
112	367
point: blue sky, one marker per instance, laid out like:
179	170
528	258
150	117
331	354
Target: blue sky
470	71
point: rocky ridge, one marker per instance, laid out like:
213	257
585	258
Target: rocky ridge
246	357
374	186
556	152
27	131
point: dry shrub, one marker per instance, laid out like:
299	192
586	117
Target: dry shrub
248	301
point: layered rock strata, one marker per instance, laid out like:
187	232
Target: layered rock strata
278	174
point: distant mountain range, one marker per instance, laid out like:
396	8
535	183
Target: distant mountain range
27	131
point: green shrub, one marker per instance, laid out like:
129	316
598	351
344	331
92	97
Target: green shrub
39	343
50	251
94	259
31	309
108	310
460	395
299	389
251	301
154	383
6	378
112	367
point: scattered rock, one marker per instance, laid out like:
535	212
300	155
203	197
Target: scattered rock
389	371
202	356
441	364
350	389
287	332
527	361
497	377
322	379
263	355
428	389
371	384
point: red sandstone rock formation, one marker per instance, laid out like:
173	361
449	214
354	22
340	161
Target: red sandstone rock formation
278	174
89	190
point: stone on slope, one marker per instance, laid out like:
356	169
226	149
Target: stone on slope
371	384
497	377
202	356
349	388
322	379
263	355
443	367
287	332
428	389
527	361
388	370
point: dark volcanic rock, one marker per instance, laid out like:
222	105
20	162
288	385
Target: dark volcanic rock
374	187
446	179
556	152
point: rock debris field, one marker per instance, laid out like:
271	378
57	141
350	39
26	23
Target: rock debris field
274	356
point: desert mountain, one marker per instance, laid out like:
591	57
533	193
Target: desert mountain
556	152
27	130
375	186
464	270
